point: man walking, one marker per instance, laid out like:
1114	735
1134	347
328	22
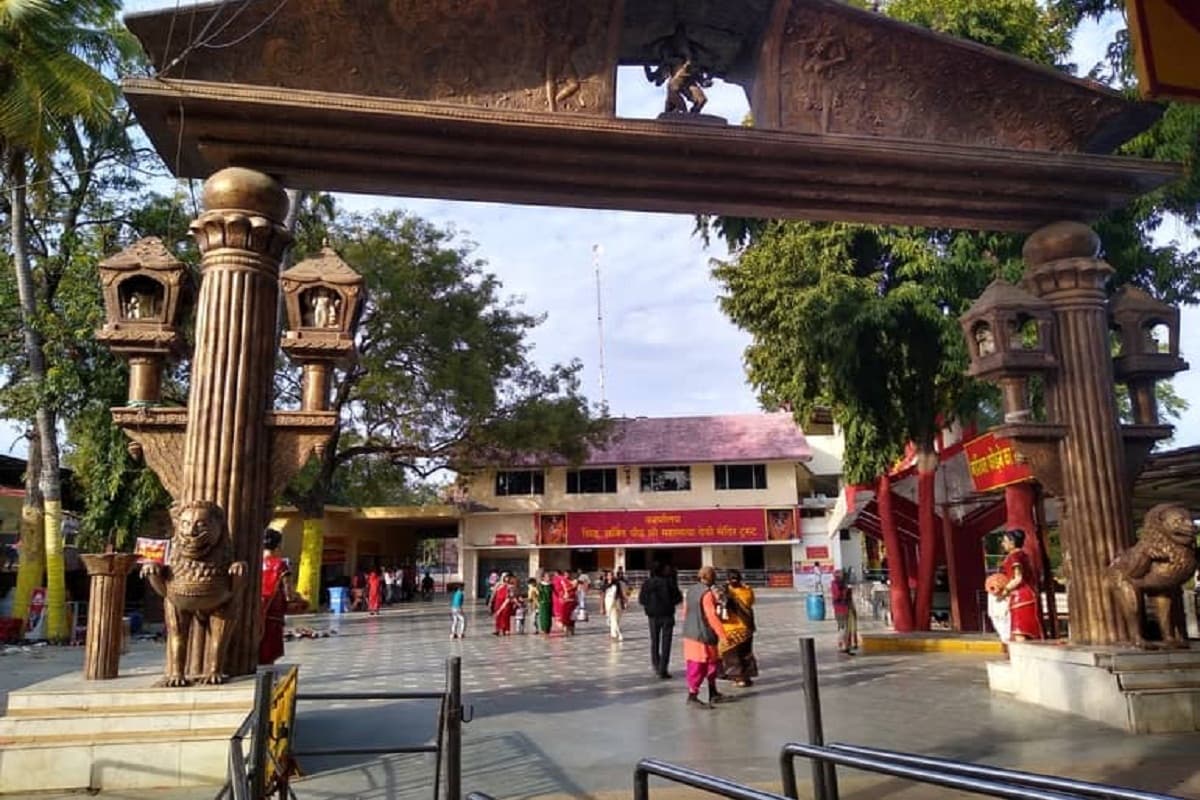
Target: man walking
702	632
659	597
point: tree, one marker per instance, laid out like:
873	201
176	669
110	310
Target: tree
46	85
863	319
442	380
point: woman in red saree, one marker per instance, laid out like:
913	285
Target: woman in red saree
374	592
1024	614
504	603
274	598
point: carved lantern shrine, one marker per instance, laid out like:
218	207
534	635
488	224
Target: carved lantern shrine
1148	334
324	299
144	290
1008	333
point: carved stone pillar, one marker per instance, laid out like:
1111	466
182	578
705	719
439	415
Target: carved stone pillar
1063	269
106	613
227	451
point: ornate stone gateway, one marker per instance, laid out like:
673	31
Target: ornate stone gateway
856	117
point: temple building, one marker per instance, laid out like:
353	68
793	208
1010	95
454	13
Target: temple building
748	491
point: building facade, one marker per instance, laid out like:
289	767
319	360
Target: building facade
749	491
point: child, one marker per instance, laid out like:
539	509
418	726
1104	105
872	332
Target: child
458	621
519	614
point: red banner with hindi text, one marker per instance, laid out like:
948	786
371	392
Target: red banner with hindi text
648	528
993	463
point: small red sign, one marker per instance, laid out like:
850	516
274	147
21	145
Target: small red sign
817	553
505	540
779	580
993	463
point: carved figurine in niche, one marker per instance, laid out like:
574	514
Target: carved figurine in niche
140	304
685	79
985	340
200	583
1149	340
323	309
1153	571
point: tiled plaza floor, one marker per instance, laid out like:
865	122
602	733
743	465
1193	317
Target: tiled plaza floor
573	716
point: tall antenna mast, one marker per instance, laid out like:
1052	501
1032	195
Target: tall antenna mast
596	251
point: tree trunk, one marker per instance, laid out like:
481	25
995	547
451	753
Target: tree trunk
46	419
927	460
902	616
33	544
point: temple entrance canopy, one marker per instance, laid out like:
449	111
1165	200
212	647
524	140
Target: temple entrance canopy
856	117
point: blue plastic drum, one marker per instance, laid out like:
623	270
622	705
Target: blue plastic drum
814	605
339	602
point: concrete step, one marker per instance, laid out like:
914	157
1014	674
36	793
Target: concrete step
93	727
195	758
1134	661
102	701
1159	679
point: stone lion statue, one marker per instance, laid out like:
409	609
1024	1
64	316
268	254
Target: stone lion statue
199	583
1153	571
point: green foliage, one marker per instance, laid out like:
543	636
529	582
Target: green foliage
443	378
1021	27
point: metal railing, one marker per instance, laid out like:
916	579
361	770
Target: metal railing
448	741
245	776
248	776
693	778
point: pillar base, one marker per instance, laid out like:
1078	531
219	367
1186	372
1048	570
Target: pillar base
1134	690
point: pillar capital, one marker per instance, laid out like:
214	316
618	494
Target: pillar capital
244	211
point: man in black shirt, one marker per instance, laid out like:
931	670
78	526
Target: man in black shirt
659	596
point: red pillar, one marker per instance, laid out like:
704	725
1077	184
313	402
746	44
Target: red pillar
902	619
1020	502
964	567
927	527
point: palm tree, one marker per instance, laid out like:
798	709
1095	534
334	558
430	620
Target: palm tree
47	84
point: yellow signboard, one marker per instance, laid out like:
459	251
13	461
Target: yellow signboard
283	719
1166	41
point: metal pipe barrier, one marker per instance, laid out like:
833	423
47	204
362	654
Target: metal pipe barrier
1011	776
697	780
242	778
891	768
450	721
824	774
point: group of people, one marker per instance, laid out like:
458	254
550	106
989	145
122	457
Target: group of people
372	589
554	602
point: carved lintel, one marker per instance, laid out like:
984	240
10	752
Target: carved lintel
295	436
161	433
1139	441
1036	444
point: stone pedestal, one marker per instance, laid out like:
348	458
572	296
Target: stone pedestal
1134	690
67	734
106	611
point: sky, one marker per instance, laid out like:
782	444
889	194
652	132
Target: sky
668	349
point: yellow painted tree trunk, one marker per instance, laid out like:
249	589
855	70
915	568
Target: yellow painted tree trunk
312	547
56	576
33	560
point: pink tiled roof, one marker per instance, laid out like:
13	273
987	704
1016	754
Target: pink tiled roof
699	440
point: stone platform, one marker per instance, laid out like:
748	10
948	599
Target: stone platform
930	642
70	734
1136	690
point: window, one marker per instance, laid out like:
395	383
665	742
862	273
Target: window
591	481
514	482
740	476
666	479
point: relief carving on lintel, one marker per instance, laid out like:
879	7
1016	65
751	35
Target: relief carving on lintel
295	437
828	68
529	55
158	435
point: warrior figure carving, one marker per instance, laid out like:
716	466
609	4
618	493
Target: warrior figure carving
200	583
686	80
1153	570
